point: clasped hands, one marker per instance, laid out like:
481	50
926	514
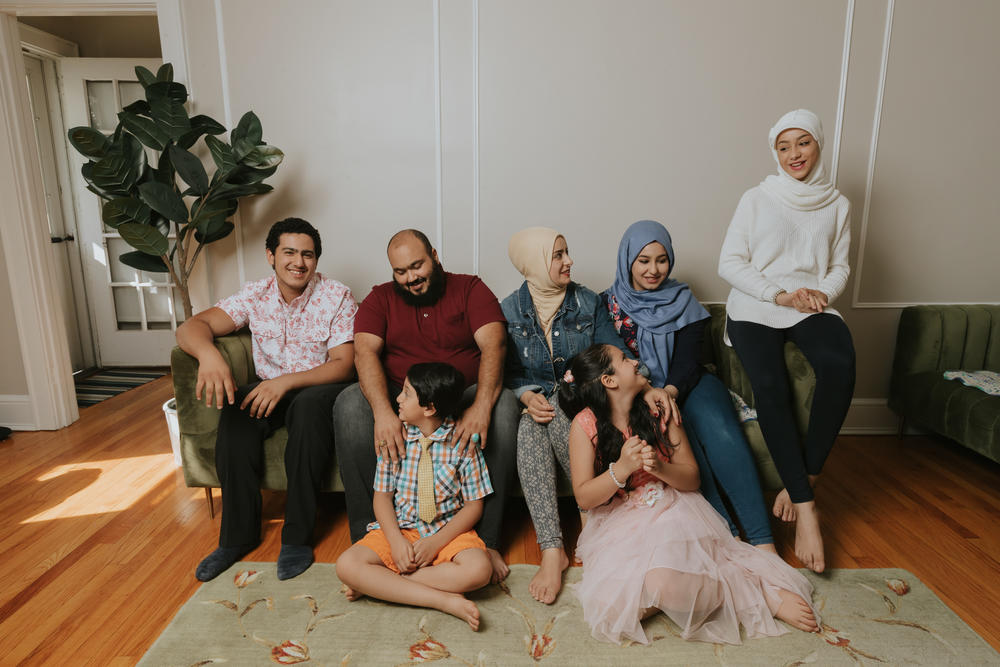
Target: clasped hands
637	454
804	300
410	556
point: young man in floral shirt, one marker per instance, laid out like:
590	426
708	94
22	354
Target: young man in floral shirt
302	326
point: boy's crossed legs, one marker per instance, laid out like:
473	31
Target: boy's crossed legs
367	568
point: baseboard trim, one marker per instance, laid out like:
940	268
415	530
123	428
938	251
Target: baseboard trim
870	416
17	413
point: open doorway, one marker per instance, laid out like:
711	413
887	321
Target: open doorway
80	72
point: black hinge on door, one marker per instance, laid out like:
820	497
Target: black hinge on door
60	239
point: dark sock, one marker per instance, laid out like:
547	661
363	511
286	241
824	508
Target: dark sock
293	560
219	561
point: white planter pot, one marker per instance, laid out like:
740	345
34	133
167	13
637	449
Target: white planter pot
170	412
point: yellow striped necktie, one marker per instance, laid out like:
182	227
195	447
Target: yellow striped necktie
426	508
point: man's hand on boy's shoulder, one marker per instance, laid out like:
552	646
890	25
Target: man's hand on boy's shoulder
426	549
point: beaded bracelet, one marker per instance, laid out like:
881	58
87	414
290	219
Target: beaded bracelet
611	470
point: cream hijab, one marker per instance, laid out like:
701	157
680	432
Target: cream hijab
530	251
816	191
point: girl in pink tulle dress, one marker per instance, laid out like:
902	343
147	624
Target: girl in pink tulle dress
652	542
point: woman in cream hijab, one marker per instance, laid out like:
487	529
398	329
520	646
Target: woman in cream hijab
550	319
785	255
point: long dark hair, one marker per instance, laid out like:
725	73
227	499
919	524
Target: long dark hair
586	391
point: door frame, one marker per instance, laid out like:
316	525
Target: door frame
51	399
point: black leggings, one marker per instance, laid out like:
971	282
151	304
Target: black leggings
826	342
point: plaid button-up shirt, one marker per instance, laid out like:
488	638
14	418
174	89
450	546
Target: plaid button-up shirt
457	479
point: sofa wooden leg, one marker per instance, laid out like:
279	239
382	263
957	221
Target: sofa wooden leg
211	505
902	427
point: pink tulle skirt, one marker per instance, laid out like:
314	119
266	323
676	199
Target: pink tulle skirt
670	549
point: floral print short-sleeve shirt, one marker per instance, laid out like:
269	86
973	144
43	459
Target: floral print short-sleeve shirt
292	337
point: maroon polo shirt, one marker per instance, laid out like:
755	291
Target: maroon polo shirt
442	332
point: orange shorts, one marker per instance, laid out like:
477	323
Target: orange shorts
377	542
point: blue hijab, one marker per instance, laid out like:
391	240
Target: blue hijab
657	313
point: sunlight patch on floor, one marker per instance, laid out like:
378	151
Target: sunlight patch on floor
118	484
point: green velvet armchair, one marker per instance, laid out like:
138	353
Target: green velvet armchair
934	339
198	424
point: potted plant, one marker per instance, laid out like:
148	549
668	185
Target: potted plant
169	211
146	203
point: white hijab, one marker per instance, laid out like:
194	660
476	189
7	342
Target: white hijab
816	191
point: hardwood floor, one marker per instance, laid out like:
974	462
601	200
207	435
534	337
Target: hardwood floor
99	536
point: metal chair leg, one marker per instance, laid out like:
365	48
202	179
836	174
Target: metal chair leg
211	505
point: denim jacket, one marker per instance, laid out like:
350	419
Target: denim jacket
582	320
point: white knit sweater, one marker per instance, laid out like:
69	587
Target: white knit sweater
771	246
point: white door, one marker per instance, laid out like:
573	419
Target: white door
134	313
44	97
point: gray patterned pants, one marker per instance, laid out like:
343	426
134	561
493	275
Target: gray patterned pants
538	448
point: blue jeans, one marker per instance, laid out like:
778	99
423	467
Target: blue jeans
724	458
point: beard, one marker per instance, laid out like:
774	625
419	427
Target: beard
435	289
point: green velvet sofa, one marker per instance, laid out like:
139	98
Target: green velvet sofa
198	423
934	339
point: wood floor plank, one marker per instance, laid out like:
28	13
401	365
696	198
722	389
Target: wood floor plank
99	536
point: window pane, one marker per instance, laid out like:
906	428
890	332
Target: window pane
130	91
127	308
101	101
157	304
120	273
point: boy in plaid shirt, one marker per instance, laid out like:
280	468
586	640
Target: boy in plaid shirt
425	510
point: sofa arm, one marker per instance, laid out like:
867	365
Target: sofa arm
193	417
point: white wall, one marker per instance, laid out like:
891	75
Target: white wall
593	114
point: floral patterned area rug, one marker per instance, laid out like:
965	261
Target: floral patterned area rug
247	617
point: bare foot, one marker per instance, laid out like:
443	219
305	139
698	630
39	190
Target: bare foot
500	569
350	593
784	509
546	583
458	606
796	612
808	539
769	548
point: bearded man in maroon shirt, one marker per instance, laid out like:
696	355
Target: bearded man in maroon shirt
426	314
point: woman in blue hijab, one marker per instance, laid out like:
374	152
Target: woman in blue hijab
663	324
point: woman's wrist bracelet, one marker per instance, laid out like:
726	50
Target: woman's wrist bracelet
774	299
611	471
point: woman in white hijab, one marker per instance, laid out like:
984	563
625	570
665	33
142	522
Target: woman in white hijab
785	255
550	319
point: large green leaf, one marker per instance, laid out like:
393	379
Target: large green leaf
146	78
143	262
140	107
166	90
230	191
165	73
88	141
222	155
164	172
171	116
190	169
144	238
200	125
205	211
219	229
145	130
120	169
164	200
125	209
264	157
249	129
243	175
87	171
242	148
